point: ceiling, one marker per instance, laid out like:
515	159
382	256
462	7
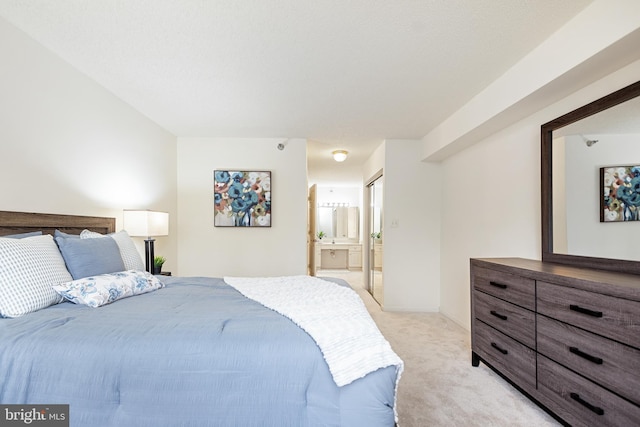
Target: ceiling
343	74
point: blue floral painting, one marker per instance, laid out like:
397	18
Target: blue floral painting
620	189
242	199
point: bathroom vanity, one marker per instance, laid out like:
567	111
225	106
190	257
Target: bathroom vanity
338	256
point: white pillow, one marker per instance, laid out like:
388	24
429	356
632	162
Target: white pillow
106	288
29	268
130	256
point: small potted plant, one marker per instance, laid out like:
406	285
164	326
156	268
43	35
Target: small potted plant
158	260
321	234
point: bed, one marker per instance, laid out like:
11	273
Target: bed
193	352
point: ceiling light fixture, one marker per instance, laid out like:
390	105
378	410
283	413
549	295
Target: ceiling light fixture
340	155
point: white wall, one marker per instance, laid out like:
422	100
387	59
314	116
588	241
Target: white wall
350	195
206	250
559	195
411	260
599	40
374	164
491	195
586	235
491	208
411	198
69	146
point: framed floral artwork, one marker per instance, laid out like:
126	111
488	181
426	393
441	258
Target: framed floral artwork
242	198
620	193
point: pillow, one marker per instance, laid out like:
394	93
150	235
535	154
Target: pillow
130	255
99	290
23	235
90	257
28	269
58	233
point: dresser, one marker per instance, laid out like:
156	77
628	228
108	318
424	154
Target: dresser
568	337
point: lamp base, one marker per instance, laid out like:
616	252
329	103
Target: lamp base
148	254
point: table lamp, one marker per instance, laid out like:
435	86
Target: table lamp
146	223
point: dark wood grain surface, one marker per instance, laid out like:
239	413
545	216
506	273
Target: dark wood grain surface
613	365
515	321
518	363
509	287
599	281
585	351
619	320
24	222
556	386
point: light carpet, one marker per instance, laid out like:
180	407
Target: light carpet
439	387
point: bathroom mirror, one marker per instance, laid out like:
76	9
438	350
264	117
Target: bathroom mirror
575	146
338	222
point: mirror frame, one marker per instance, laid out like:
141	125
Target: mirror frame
608	101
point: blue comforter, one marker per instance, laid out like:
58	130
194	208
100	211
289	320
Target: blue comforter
196	353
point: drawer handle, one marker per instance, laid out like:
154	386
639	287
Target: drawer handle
498	315
590	358
585	311
577	398
497	347
498	285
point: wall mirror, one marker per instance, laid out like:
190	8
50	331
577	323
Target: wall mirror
338	222
604	133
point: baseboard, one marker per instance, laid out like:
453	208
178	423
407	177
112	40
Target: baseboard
454	320
428	309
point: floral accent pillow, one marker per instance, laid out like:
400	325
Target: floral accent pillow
103	289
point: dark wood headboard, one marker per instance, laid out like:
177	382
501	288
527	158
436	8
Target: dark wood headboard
24	222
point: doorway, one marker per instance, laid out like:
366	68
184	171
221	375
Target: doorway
335	232
376	285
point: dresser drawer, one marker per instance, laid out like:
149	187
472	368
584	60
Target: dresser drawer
513	320
604	315
515	289
514	360
579	401
613	365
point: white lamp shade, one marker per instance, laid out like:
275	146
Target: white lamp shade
145	223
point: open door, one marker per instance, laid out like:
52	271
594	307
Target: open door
311	232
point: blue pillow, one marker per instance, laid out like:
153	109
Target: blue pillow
23	235
58	233
90	257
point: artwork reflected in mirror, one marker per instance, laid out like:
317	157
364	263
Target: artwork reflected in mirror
620	193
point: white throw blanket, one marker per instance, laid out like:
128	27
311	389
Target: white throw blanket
333	315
